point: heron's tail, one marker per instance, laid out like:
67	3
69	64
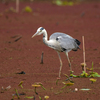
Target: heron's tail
77	47
78	42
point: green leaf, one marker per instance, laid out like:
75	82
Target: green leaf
92	67
58	2
29	97
94	74
28	9
57	81
92	64
59	92
72	75
85	89
84	74
20	84
17	93
40	98
69	84
42	86
70	3
65	3
63	87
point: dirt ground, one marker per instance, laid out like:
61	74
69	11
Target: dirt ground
19	52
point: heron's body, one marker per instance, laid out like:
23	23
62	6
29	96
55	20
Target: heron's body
60	42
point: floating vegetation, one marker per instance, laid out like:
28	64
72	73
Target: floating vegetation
38	84
63	3
67	84
35	85
46	97
20	84
94	74
28	9
16	94
31	97
59	92
69	78
85	89
11	9
57	81
84	74
93	80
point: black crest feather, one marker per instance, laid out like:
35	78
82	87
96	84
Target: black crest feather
41	28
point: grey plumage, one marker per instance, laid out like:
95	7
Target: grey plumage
60	42
65	41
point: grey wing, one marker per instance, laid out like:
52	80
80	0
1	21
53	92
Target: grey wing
66	42
57	34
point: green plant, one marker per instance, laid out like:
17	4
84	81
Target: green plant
28	9
84	74
67	84
20	84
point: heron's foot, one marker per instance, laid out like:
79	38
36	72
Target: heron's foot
59	74
58	78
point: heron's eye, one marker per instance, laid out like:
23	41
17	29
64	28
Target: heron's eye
41	29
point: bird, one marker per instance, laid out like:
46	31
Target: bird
61	42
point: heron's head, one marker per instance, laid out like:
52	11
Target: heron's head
39	31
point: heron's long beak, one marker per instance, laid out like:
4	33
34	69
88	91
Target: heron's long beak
34	34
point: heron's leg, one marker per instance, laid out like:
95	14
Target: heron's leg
68	60
60	63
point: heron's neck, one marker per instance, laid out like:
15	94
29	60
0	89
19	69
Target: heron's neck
45	38
49	43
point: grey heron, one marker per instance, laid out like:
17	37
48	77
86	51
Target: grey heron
60	42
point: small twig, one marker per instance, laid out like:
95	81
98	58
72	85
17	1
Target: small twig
17	6
84	53
18	38
42	58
